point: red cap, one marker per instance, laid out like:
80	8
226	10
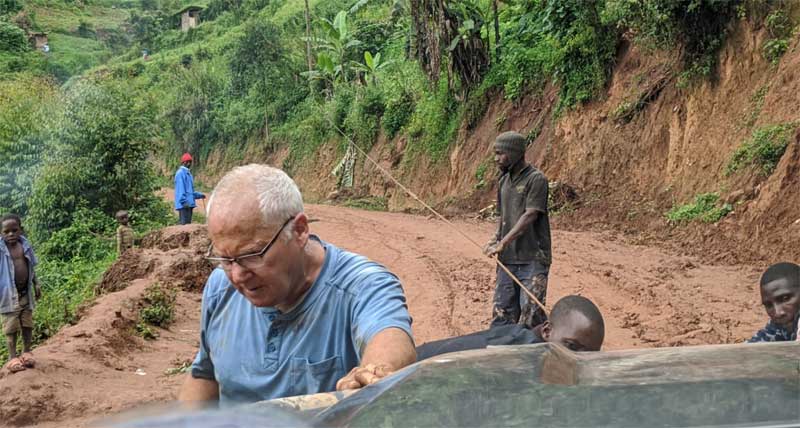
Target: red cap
186	157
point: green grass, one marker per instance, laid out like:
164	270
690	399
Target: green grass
705	208
764	149
75	54
66	19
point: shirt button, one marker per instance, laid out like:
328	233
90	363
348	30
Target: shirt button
274	333
271	317
271	348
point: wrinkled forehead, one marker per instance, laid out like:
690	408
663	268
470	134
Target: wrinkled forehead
779	287
238	219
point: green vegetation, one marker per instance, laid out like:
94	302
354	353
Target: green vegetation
705	208
764	149
780	27
698	25
371	203
158	310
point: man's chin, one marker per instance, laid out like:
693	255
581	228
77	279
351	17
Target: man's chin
258	300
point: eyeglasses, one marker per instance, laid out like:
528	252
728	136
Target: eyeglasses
247	261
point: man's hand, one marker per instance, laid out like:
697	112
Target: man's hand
37	291
360	377
493	249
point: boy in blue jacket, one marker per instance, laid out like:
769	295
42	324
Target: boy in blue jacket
184	190
19	290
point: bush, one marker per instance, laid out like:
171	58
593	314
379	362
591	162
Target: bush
699	25
10	7
97	157
562	41
705	208
780	28
12	38
88	237
764	149
398	112
26	105
158	306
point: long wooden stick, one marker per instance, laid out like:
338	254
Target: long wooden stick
442	218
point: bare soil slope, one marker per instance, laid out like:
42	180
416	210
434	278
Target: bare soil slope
649	297
629	164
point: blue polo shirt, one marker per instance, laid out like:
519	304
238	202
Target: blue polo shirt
261	353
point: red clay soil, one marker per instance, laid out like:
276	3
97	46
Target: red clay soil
649	297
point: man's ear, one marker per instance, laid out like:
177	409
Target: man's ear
547	330
300	230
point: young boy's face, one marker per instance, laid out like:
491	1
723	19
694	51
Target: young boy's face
575	332
11	231
123	219
781	299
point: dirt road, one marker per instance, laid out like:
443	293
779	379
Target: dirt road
648	298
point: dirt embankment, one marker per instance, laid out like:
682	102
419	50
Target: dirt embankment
648	296
100	365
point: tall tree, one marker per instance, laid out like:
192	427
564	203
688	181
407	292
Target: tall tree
496	31
449	32
308	39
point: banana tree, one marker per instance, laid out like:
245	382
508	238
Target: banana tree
371	66
334	45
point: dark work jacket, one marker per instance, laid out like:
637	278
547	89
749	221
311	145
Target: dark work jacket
513	334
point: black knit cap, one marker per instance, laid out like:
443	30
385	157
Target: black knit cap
511	142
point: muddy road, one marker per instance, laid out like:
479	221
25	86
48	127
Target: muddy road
649	297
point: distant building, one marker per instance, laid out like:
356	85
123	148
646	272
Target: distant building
190	17
37	40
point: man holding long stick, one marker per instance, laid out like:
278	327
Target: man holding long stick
522	241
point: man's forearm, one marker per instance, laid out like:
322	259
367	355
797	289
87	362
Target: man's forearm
523	223
198	389
392	348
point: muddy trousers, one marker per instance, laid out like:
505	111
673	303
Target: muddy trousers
512	306
185	215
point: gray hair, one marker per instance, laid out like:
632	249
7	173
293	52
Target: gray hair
278	196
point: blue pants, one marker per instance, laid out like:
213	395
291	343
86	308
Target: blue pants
511	306
185	215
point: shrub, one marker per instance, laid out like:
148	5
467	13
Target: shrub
98	157
158	305
398	112
563	41
780	28
764	149
12	38
9	7
705	208
699	25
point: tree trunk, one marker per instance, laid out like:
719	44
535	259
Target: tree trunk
308	39
496	32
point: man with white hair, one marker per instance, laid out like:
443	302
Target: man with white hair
286	313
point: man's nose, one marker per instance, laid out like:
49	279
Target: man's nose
239	274
780	311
